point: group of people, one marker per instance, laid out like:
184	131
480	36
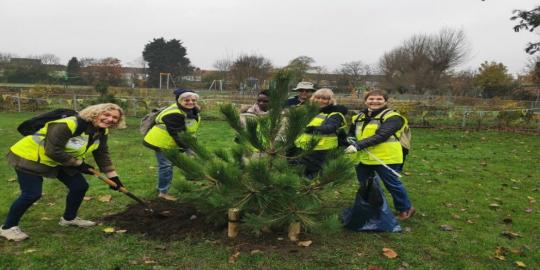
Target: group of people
60	148
373	139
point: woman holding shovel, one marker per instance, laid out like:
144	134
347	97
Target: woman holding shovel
375	133
181	116
58	150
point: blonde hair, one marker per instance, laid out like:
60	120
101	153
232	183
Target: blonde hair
90	113
327	92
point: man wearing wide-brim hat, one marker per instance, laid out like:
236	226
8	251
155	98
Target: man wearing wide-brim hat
305	90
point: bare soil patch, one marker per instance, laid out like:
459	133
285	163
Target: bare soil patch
173	221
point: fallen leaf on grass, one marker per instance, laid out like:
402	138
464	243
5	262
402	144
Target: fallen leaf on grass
531	199
510	235
521	264
389	253
500	254
529	210
306	243
470	221
87	198
109	230
121	231
46	218
446	228
234	257
494	205
29	250
148	260
256	251
105	198
12	179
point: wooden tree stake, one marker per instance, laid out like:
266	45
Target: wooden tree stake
234	216
294	231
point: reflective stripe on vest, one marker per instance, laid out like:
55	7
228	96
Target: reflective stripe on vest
326	141
158	135
389	151
32	147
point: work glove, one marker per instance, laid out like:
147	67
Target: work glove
85	168
118	183
351	149
309	130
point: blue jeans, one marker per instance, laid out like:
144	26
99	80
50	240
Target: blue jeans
165	172
390	180
31	189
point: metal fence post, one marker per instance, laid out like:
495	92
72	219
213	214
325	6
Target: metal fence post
464	121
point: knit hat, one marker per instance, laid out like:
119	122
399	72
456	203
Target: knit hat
179	91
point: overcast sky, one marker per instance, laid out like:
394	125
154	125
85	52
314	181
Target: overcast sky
330	31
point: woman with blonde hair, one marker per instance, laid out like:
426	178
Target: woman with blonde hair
325	127
59	150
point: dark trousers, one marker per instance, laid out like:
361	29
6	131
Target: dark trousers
31	189
312	162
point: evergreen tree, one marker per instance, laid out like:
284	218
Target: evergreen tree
166	57
73	71
270	190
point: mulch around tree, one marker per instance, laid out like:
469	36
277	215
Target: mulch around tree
173	221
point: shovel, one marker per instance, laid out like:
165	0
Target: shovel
122	189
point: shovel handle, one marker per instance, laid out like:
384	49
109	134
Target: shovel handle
108	181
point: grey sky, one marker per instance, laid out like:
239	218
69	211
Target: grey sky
331	31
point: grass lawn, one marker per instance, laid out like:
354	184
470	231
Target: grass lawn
476	184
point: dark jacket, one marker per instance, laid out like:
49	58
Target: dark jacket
294	101
385	130
330	124
56	138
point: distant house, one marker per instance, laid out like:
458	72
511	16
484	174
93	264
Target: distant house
195	76
133	75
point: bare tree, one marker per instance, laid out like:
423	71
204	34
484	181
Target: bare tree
47	59
5	57
353	73
422	62
250	67
223	66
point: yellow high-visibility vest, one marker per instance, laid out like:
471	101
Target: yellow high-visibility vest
389	151
32	147
325	141
158	135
